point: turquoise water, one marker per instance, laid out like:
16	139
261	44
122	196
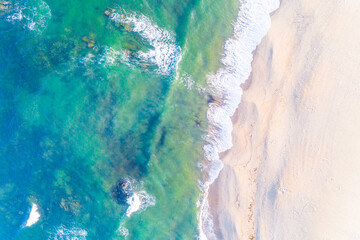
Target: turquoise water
97	92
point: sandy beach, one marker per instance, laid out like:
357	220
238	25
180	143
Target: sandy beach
294	169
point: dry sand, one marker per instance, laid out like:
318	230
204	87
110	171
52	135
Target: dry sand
294	170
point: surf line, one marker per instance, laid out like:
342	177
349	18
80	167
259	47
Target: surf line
252	23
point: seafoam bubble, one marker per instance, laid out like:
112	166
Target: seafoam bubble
123	231
34	216
109	56
187	80
88	59
33	15
139	200
252	23
73	233
165	53
105	56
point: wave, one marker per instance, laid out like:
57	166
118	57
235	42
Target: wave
33	15
251	25
165	53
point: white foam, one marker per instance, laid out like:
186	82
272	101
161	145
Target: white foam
33	15
165	53
123	231
252	24
188	82
34	216
139	201
107	56
134	204
73	233
110	56
88	58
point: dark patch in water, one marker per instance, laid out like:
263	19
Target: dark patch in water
211	99
138	146
121	191
197	121
183	11
162	137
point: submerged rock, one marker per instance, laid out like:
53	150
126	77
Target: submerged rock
109	11
212	99
70	205
128	53
119	23
90	43
5	6
131	46
122	191
127	27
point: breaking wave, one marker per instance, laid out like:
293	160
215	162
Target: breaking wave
165	53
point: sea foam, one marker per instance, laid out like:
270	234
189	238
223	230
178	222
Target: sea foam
34	216
165	53
251	25
33	15
64	233
139	201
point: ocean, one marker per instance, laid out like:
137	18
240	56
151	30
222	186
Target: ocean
104	116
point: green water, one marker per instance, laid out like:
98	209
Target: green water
75	118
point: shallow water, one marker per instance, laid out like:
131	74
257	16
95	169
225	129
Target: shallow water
88	99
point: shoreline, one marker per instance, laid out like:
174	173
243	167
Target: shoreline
292	170
252	24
